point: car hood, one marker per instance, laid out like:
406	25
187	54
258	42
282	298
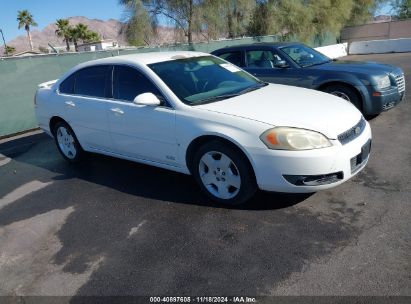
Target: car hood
370	68
288	106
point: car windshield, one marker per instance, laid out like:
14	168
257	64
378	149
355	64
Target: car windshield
305	56
205	79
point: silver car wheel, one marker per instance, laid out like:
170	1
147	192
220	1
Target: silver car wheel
66	142
219	175
341	95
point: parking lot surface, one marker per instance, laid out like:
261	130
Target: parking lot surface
113	227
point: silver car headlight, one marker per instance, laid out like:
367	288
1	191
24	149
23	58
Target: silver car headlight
383	82
285	138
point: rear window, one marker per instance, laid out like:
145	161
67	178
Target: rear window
233	57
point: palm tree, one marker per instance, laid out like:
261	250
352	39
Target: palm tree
79	32
82	31
63	31
92	37
26	20
73	36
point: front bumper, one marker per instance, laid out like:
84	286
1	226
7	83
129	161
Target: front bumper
389	98
377	100
274	167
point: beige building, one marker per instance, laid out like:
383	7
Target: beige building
102	45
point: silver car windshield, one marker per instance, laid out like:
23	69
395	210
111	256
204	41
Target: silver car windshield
205	79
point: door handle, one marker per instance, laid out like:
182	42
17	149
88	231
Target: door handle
117	111
70	104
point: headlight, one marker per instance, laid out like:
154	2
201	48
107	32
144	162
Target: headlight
383	82
284	138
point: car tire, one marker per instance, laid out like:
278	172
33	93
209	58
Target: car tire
346	93
224	173
67	143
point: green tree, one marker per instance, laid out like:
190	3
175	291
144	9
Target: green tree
82	33
63	31
140	27
238	14
74	37
26	20
9	50
182	13
362	11
402	8
308	19
260	21
92	36
229	18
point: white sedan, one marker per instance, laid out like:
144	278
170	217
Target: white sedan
197	114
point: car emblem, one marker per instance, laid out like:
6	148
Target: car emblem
357	130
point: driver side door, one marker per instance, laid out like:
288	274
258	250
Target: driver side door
261	63
140	131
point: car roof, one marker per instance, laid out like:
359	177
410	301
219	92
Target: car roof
254	45
145	58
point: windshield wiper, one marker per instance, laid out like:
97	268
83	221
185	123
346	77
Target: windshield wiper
216	98
226	96
256	87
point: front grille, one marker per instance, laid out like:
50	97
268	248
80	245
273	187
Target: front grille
352	133
400	80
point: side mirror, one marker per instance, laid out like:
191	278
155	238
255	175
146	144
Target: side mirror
147	99
281	64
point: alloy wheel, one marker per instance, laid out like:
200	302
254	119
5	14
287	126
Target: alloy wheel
220	175
66	142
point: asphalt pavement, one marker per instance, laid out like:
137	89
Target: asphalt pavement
114	227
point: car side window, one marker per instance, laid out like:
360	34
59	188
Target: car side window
262	59
233	57
67	86
128	83
92	81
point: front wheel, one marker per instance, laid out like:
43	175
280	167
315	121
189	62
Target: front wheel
67	142
224	173
346	93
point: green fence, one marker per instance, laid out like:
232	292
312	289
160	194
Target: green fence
19	77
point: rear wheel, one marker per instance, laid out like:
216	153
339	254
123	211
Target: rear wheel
224	173
67	142
346	93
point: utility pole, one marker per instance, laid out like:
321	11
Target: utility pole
4	41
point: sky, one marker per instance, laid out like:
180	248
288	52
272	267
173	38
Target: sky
47	11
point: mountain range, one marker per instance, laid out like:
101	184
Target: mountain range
109	29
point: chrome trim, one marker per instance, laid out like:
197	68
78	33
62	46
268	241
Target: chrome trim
353	132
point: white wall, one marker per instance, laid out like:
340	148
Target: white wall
334	51
381	46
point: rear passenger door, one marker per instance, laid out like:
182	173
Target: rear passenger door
140	131
235	57
84	97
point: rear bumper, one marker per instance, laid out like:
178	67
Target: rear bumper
279	170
